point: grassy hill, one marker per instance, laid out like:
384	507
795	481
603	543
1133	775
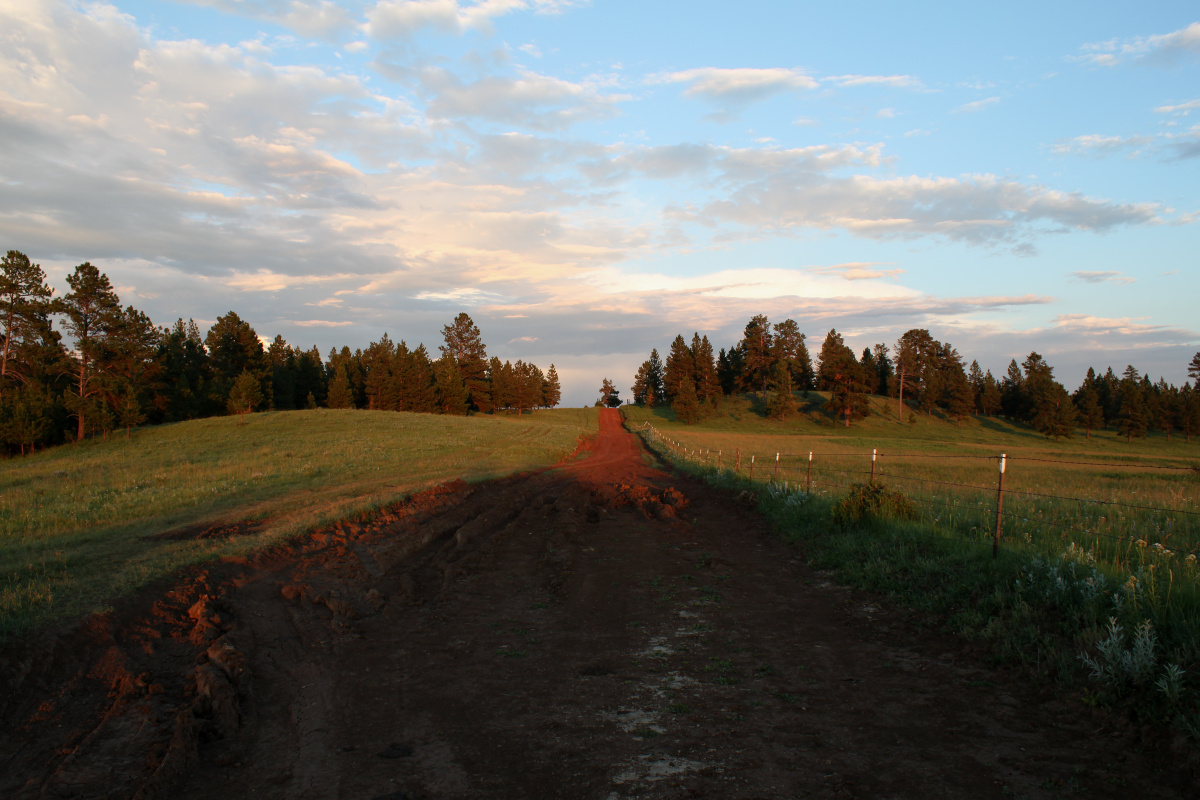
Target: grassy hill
83	523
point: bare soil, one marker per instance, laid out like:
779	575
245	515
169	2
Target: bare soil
600	630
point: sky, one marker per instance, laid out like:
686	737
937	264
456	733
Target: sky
589	179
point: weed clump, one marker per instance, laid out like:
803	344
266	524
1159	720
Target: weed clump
868	501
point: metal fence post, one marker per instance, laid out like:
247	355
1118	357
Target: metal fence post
999	507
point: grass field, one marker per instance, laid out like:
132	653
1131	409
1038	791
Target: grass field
77	522
1114	535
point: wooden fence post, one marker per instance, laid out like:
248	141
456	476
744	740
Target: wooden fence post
808	486
719	458
751	466
775	477
737	467
999	507
873	452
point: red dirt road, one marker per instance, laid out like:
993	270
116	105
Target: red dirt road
600	630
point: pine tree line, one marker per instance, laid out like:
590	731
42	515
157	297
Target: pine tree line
123	371
920	373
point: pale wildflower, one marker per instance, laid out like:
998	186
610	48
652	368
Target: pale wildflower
1141	542
1191	559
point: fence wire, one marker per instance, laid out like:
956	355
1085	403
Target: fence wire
818	477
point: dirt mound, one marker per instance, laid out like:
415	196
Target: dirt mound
571	633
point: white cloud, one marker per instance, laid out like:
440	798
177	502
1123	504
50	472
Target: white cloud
530	100
894	81
322	19
400	19
1161	47
978	105
1102	276
741	85
1181	108
886	113
1096	144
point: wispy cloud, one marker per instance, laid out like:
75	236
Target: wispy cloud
1102	276
739	85
894	81
859	271
977	105
1181	108
1099	145
1166	47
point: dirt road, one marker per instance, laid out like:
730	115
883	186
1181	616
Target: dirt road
599	630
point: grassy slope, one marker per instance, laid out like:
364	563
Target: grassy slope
74	520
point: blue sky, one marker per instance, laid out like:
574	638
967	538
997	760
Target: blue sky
589	179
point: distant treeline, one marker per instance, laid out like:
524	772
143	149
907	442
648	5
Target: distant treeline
928	375
124	371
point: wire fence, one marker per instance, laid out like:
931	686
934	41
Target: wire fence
1033	516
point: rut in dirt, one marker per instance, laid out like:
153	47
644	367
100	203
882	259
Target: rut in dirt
599	630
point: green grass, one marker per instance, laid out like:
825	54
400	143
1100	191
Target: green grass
1067	564
75	520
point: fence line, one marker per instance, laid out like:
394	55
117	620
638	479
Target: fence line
821	479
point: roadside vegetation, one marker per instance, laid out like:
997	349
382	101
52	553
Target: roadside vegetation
1094	585
80	525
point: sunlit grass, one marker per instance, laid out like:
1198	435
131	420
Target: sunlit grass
75	520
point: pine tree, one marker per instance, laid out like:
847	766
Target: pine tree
417	392
341	394
131	414
755	347
959	396
1194	370
680	367
686	406
1012	391
24	302
842	375
883	363
246	394
1087	404
1053	412
451	389
1133	419
1189	411
551	390
91	310
465	343
233	348
975	379
379	382
991	397
870	371
788	346
782	403
609	395
708	385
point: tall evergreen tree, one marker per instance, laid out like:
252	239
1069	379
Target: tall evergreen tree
465	343
884	367
24	305
341	393
782	403
686	405
708	384
1133	419
1194	370
1053	412
990	399
92	312
756	348
788	346
551	390
233	348
680	367
451	389
1087	404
